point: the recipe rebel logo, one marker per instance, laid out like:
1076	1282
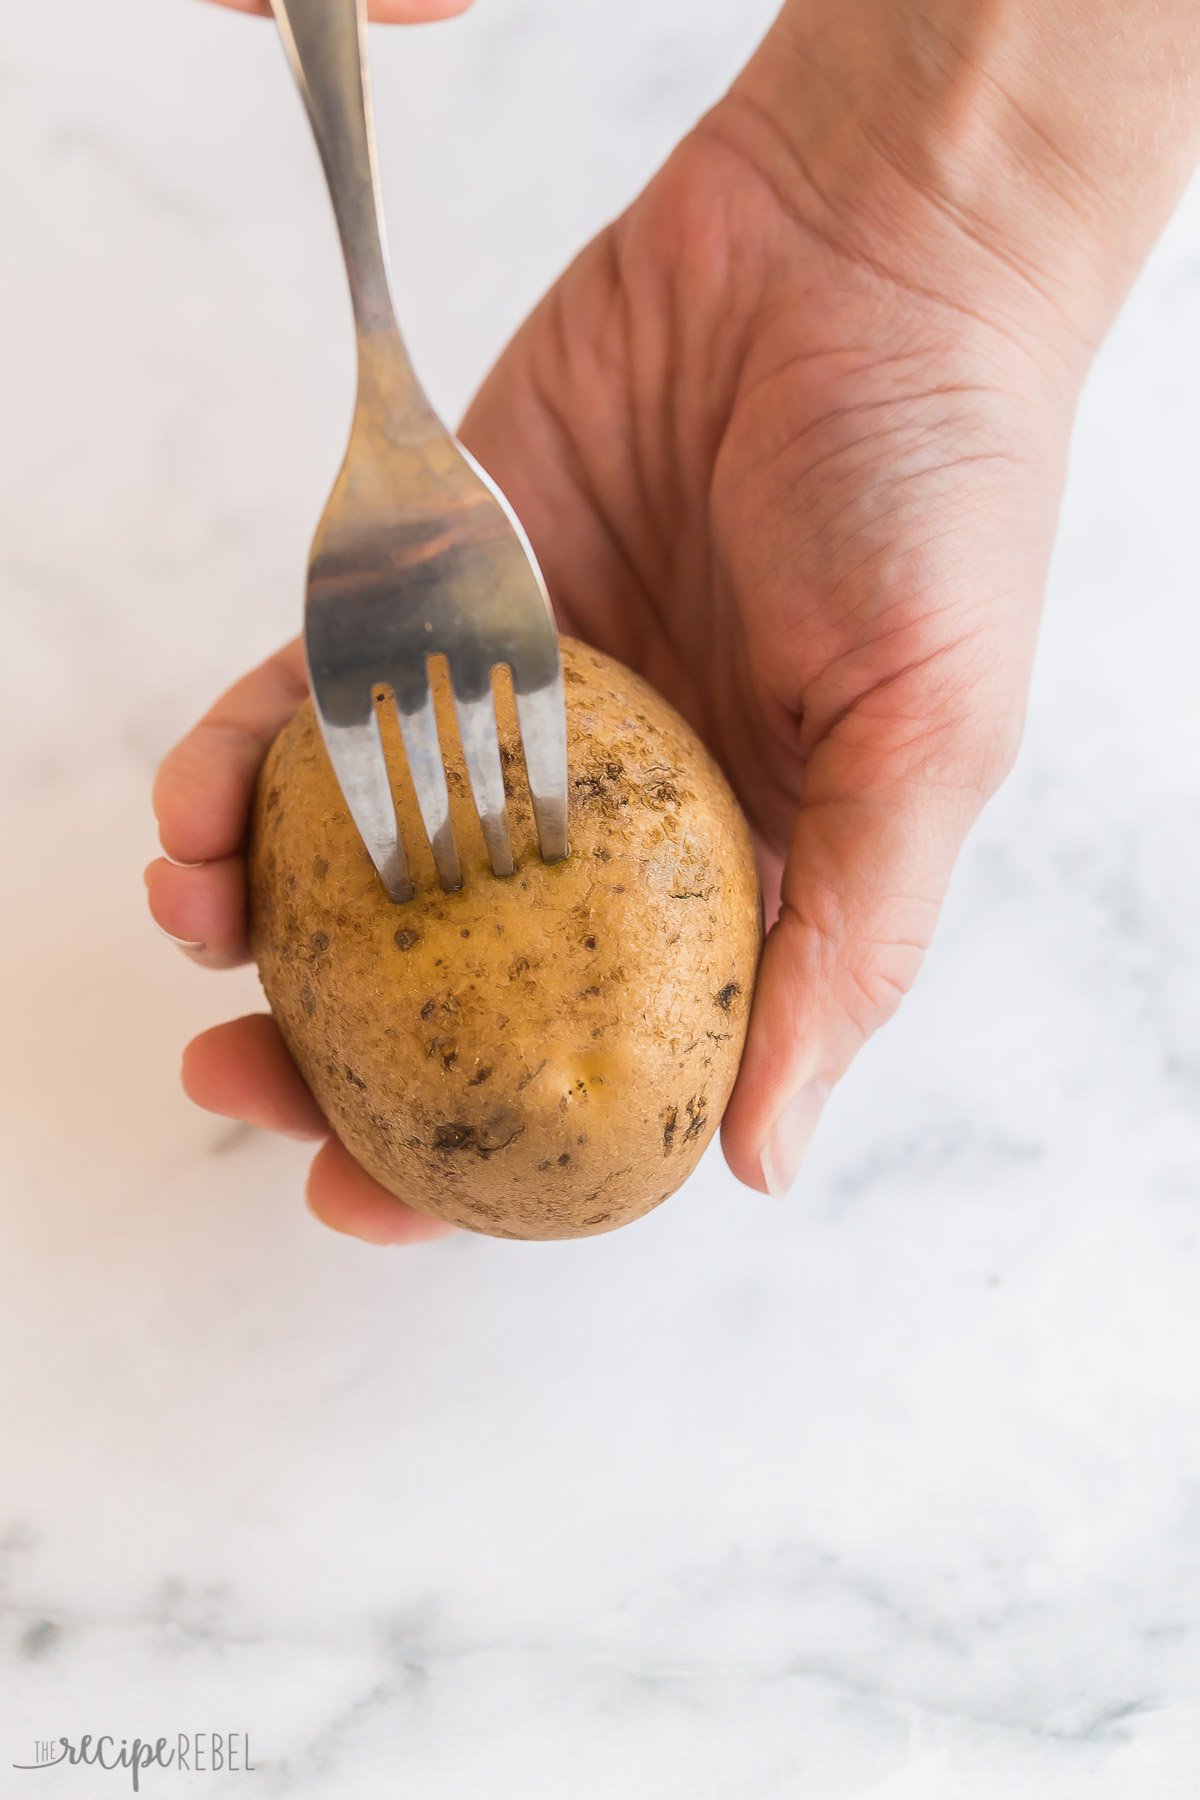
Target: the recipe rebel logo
200	1753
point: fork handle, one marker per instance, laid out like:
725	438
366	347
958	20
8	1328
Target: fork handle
325	42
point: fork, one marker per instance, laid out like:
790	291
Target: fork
418	553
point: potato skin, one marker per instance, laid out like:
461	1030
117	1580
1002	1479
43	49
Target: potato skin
541	1057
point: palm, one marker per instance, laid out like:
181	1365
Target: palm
803	501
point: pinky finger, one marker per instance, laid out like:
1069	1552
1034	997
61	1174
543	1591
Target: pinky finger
343	1196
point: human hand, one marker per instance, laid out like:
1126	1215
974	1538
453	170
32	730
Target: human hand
793	449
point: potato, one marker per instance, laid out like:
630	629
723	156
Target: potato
540	1057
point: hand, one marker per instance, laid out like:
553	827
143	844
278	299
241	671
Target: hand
811	498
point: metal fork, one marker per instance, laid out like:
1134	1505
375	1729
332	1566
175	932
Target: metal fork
418	553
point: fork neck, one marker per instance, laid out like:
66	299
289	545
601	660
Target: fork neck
325	44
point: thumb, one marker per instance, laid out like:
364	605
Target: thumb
864	879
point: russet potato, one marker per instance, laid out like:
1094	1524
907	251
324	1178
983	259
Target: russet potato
540	1057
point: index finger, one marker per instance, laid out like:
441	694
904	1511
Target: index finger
205	785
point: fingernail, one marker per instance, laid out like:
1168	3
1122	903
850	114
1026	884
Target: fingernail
180	943
789	1137
177	864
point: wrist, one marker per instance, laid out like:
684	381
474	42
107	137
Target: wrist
1023	157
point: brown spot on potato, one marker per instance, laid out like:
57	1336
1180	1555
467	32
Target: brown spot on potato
728	995
480	1208
497	1134
406	939
453	1137
659	790
320	868
670	1121
308	1000
697	1118
319	940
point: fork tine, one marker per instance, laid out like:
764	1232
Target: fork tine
543	720
418	727
481	749
356	752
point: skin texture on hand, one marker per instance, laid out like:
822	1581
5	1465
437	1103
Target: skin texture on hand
811	497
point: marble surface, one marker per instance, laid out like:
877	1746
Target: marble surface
892	1490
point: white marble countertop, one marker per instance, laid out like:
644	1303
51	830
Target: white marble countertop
890	1491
